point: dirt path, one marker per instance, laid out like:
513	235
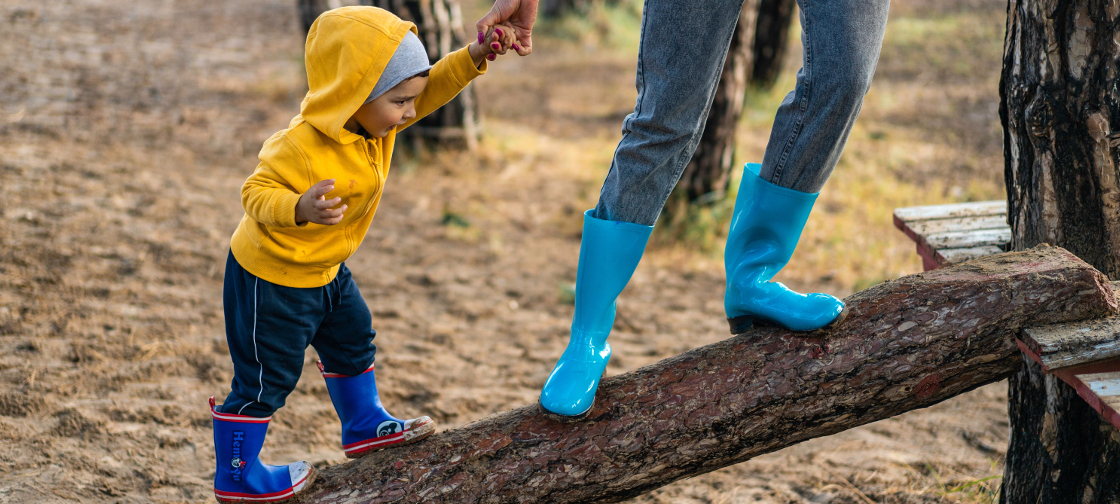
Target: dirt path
125	134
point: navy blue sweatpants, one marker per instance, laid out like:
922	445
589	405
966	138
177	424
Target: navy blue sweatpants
269	326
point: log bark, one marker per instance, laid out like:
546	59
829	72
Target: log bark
771	38
708	173
907	343
1058	102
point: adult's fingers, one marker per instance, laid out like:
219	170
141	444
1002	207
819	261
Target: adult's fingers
491	18
524	44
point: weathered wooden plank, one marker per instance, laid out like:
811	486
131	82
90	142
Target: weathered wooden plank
907	343
969	239
972	209
949	257
955	233
933	226
1061	346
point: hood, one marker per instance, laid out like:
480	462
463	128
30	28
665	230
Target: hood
347	49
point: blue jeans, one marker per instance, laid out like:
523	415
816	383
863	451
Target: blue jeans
683	46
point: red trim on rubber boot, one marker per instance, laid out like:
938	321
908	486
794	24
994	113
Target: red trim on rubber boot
230	417
283	495
356	449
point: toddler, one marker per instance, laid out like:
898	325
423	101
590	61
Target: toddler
307	208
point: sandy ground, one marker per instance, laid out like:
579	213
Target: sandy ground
126	130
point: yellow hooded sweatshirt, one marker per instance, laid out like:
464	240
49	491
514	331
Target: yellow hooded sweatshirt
347	49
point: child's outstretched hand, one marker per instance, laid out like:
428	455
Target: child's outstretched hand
493	43
314	207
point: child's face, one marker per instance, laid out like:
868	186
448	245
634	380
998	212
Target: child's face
389	110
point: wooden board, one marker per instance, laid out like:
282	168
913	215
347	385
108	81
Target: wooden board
934	226
950	234
954	210
1065	346
950	257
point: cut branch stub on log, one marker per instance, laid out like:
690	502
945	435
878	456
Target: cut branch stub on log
906	344
1070	346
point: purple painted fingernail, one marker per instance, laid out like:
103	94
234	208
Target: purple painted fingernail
516	47
498	31
481	38
491	57
496	46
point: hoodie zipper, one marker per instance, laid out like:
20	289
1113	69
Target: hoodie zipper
381	183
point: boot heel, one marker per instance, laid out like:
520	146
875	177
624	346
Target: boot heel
740	324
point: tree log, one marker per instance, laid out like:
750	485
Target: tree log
906	344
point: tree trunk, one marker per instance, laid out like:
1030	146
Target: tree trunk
708	174
771	38
1058	101
440	27
1053	462
752	394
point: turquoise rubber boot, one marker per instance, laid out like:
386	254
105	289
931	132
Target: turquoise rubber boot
608	255
765	227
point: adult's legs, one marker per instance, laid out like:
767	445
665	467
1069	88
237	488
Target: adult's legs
841	41
680	57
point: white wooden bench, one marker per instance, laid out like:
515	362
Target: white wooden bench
949	234
1085	355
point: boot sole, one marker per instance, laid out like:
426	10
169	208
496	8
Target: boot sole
557	417
412	436
306	485
743	323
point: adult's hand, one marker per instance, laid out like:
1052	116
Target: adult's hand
520	14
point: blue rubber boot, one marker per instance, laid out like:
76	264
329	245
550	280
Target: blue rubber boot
240	475
366	426
765	227
608	255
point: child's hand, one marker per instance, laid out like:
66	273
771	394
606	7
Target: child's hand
493	43
314	207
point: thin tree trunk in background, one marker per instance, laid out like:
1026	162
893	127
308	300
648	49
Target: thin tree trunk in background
708	173
440	27
771	39
309	11
1058	102
751	394
557	8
